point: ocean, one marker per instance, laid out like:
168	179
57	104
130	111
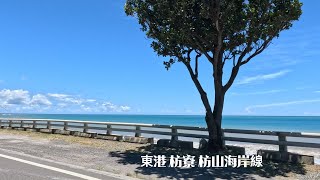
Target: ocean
271	123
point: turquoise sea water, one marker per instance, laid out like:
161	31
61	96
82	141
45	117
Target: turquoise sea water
274	123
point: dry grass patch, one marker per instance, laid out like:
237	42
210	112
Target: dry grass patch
96	143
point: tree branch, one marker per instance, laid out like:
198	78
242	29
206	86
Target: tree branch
202	93
236	67
234	61
188	55
196	65
217	61
258	51
203	51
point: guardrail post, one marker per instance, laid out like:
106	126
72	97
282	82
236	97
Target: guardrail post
34	125
0	122
10	123
223	139
65	126
21	124
138	134
109	131
85	127
282	138
48	125
174	137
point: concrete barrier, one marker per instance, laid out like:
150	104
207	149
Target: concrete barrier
175	144
236	150
19	128
6	127
81	134
286	157
141	140
203	144
48	131
163	142
93	134
110	137
32	130
62	132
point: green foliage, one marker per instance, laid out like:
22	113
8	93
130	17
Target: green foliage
221	30
177	26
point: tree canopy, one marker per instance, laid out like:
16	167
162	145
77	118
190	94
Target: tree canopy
236	27
221	30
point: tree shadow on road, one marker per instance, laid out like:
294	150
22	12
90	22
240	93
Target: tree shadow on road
269	169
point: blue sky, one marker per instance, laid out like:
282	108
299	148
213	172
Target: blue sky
81	56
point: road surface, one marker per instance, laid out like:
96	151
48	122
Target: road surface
16	166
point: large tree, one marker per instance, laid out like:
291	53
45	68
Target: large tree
221	31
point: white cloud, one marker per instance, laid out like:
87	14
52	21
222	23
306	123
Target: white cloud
66	98
110	107
14	97
263	77
125	108
87	105
23	101
249	109
91	100
62	105
58	96
73	100
261	92
40	100
86	108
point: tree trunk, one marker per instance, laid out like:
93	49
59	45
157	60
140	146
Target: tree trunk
212	129
214	123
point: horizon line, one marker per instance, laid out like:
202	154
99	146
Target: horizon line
1	113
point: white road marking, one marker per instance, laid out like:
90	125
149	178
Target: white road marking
50	168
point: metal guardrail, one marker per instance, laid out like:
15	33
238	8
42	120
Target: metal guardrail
173	131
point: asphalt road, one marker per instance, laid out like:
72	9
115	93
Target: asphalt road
18	167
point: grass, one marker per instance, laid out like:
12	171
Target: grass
91	142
